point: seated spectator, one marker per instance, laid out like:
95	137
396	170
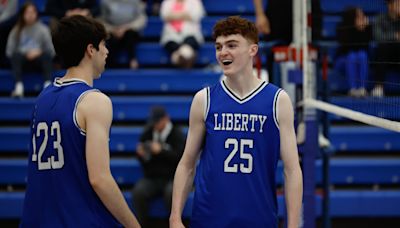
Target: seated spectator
123	20
159	151
29	44
354	35
58	9
8	15
386	31
181	36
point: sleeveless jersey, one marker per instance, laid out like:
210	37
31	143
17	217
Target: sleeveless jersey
235	178
58	191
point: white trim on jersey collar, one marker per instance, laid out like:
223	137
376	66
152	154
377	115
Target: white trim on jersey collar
245	98
70	81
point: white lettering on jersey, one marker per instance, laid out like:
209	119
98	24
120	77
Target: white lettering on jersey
239	122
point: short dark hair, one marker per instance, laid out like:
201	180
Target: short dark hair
236	25
156	114
72	35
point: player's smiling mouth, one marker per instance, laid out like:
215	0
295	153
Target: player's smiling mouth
226	62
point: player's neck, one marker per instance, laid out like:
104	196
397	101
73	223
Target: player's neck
243	84
79	72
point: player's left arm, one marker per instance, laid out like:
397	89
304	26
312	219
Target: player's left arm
290	158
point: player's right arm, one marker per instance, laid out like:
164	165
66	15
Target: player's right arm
185	171
95	116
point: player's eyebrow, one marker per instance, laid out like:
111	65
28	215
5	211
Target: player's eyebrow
227	42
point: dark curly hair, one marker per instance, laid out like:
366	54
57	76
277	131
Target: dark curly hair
236	25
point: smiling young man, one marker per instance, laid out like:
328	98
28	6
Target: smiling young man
239	128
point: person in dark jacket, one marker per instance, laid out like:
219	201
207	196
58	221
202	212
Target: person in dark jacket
159	150
354	34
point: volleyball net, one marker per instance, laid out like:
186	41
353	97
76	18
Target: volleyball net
361	47
358	65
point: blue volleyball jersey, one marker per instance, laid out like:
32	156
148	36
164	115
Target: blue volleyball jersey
235	178
58	191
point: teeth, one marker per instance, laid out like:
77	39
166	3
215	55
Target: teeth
226	62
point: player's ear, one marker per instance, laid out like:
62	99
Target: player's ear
90	49
253	50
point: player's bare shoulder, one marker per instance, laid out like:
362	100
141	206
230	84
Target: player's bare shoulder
94	105
199	104
95	99
199	97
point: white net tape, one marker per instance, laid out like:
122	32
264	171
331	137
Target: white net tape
353	115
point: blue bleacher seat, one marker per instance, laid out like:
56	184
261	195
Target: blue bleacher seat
155	25
337	6
342	170
123	139
154	54
125	108
136	108
129	81
234	7
156	80
363	139
344	203
40	4
329	26
11	204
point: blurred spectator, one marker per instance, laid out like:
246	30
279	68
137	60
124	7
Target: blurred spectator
354	35
159	151
29	44
182	35
386	30
58	9
123	20
8	15
276	22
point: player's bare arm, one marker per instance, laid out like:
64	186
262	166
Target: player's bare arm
290	158
95	116
185	171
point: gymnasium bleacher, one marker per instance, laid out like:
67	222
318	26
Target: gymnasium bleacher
364	167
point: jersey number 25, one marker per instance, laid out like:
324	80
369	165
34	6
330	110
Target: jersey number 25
233	168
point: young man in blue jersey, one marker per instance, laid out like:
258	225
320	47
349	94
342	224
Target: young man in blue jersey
239	128
69	178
